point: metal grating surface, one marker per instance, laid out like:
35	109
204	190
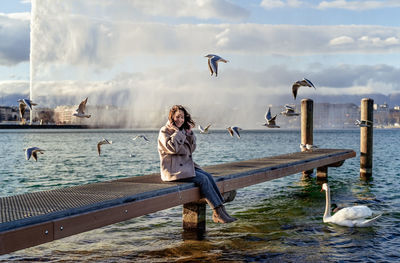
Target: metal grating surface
40	203
221	170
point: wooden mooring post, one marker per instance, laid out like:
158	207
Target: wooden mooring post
366	138
307	108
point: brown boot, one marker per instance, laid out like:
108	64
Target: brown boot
220	217
226	213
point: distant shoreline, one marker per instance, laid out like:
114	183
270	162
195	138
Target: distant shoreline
77	126
44	126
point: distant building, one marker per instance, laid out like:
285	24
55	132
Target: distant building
63	114
382	107
381	114
11	114
44	115
394	117
101	116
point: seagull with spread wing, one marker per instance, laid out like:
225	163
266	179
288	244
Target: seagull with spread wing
32	151
204	130
234	130
289	111
104	141
270	121
27	102
213	63
22	109
363	123
141	136
80	111
304	82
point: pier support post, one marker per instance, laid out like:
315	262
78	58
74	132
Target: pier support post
194	220
194	217
366	138
307	108
322	173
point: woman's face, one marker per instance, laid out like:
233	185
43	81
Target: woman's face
179	118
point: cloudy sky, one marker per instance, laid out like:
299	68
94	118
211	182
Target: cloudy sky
148	55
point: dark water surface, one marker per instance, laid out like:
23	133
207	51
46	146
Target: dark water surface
279	221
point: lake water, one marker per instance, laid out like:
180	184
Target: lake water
278	221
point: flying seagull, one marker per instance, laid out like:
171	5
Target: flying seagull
289	111
270	121
27	102
32	151
299	83
80	111
213	63
104	141
363	123
22	109
234	130
141	136
204	130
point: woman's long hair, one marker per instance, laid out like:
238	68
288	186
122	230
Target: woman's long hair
189	123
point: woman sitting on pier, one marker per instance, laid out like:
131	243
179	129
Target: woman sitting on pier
176	143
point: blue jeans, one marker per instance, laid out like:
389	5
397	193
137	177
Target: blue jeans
208	187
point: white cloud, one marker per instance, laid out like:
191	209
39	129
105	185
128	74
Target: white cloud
379	41
358	5
75	40
202	9
14	35
8	87
80	41
271	4
337	4
342	40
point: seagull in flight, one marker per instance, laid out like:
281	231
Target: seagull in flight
270	121
104	141
299	83
32	151
363	123
289	111
213	63
27	102
234	130
204	130
141	136
80	111
22	109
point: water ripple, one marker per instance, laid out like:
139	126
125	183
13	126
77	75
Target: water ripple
278	221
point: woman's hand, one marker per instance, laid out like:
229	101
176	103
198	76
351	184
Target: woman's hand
189	131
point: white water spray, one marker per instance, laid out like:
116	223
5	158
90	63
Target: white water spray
33	7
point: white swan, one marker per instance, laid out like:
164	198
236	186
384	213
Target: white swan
355	216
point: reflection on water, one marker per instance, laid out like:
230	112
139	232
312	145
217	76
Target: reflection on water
279	221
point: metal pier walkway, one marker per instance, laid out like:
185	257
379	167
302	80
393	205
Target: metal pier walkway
35	218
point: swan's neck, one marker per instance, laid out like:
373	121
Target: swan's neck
328	203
